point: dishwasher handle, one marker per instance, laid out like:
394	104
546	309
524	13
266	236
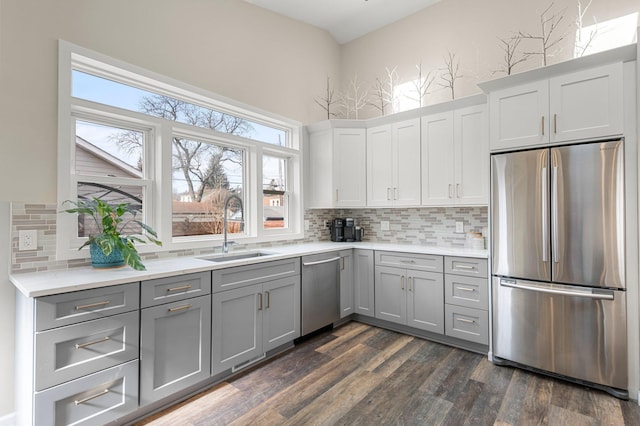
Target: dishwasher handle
320	262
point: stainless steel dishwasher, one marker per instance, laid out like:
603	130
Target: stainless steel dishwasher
320	291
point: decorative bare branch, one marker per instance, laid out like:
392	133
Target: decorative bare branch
580	45
328	100
380	96
549	23
510	48
421	85
354	98
450	74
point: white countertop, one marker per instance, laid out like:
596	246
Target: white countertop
38	284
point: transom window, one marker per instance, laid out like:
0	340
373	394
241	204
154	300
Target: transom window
175	153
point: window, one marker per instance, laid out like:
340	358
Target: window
175	153
274	192
204	175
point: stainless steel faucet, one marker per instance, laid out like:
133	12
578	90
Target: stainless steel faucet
225	243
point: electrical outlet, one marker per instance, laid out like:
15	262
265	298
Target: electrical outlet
460	227
27	240
384	225
326	223
306	224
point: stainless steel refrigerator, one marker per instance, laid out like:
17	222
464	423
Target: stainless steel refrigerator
558	262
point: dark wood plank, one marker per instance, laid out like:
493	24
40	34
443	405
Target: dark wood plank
362	375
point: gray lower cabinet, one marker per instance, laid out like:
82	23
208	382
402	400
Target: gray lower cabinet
408	297
346	283
467	299
364	290
95	399
77	357
251	320
175	347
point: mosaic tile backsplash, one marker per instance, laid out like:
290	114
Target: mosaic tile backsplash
417	226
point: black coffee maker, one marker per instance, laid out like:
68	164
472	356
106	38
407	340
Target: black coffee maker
349	230
336	228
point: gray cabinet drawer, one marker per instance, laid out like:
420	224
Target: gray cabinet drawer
67	353
420	262
71	308
241	276
469	266
467	323
95	399
171	289
466	291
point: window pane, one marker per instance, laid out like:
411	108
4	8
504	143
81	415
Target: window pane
274	186
114	195
204	175
108	151
108	92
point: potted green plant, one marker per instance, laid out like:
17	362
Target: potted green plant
110	245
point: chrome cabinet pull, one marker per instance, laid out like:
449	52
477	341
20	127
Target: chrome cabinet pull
179	308
92	305
182	287
401	282
555	123
89	398
543	125
337	199
93	342
407	261
409	280
388	196
259	301
268	299
467	267
466	289
468	321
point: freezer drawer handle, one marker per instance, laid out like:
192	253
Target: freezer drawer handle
89	398
588	295
320	262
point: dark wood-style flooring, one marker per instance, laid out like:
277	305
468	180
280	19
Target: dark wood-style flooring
363	375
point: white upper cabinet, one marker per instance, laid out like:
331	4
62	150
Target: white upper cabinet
579	105
586	104
455	157
393	164
518	116
337	168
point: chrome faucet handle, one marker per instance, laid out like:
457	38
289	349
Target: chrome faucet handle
226	245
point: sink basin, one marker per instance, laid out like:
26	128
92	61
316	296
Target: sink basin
236	256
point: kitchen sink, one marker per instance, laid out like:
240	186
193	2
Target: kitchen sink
236	256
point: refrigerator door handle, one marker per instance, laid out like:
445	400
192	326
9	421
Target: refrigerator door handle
554	218
573	293
545	212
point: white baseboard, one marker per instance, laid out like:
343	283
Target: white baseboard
8	419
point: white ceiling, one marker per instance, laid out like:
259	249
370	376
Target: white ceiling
345	19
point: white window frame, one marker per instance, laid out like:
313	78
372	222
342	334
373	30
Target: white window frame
157	168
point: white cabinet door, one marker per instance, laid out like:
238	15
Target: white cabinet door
349	167
519	116
391	298
364	294
406	161
437	159
587	104
236	327
425	301
471	142
380	167
346	283
321	191
281	312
